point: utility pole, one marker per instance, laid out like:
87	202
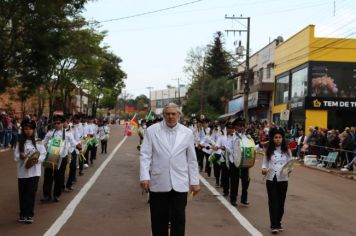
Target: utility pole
149	97
179	102
247	61
202	85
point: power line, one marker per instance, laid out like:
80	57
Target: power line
151	12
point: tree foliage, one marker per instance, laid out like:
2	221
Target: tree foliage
48	44
210	88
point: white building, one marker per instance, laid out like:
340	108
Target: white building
160	98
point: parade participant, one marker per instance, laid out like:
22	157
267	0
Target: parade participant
82	127
104	131
73	130
168	169
206	143
227	146
90	131
141	132
237	172
56	172
197	129
277	155
219	139
28	156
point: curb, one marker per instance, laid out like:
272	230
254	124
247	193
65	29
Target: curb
346	175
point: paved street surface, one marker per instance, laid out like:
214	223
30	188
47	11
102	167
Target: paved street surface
317	203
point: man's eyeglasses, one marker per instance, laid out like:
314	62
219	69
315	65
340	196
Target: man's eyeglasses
57	123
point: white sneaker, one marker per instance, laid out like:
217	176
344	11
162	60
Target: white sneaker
86	166
344	169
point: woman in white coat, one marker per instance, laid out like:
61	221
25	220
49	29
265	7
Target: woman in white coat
169	170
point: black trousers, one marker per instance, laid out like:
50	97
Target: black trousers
27	195
235	175
207	164
72	169
217	170
225	179
200	157
56	176
92	152
277	192
168	207
104	146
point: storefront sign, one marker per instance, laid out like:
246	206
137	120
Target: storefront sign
253	100
330	103
284	115
294	105
236	105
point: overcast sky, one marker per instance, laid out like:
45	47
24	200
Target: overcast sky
154	47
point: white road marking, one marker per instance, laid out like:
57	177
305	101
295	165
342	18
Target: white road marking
68	212
233	210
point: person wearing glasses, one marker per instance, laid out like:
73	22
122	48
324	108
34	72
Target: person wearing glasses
56	175
169	170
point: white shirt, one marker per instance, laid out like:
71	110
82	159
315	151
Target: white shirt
275	165
170	133
80	130
229	147
70	142
35	170
219	143
103	130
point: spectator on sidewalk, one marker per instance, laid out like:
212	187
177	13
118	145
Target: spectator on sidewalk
15	132
7	123
2	129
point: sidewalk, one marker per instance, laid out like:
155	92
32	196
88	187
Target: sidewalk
345	174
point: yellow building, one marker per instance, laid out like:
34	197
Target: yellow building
315	81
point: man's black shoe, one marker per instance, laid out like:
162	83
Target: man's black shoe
45	199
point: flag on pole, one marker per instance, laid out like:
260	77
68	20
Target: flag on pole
149	116
134	121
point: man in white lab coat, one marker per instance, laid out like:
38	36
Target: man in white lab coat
169	170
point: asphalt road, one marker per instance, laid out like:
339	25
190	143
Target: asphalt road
317	203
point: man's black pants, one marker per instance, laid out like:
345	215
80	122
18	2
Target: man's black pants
168	207
225	179
200	157
57	176
235	175
72	170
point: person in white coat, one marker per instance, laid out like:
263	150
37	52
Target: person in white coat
28	176
277	155
169	170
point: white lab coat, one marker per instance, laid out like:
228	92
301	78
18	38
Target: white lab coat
168	168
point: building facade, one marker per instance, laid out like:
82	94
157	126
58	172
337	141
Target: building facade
260	82
315	81
160	98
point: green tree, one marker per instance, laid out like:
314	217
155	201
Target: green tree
218	63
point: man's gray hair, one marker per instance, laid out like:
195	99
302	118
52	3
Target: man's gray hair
172	105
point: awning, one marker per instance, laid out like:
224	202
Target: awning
228	115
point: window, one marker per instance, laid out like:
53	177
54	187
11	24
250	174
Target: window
333	80
281	91
269	71
299	84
